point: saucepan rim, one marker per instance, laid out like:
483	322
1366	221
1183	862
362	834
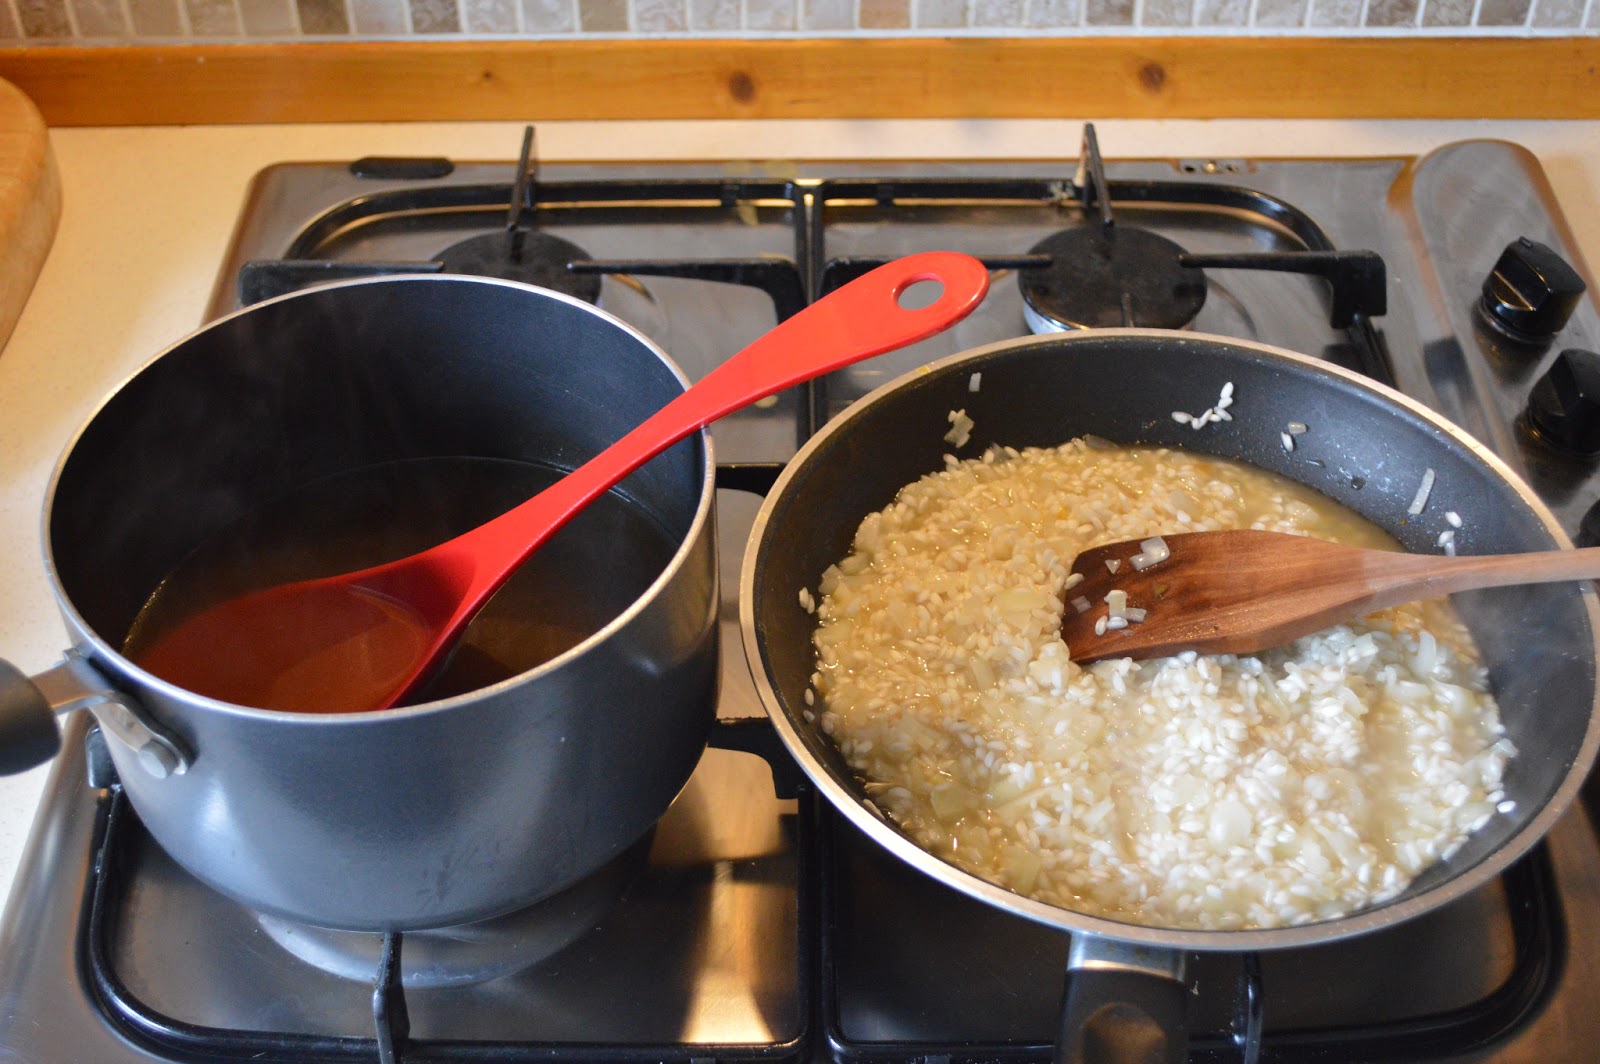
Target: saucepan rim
685	548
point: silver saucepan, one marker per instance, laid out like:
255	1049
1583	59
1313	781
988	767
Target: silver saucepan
1371	450
467	806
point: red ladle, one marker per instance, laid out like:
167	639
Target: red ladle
375	635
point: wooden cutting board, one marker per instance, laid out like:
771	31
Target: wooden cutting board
30	202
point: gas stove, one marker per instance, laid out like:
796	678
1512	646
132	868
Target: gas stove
752	925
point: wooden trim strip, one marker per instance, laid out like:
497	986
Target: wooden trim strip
970	77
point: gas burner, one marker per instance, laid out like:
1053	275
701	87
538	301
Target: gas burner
470	953
535	258
1104	276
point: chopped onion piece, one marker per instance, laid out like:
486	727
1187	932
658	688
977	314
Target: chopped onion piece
1081	604
974	382
960	428
1117	602
1113	564
1135	614
1152	551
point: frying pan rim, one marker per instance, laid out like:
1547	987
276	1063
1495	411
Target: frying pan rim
103	650
876	827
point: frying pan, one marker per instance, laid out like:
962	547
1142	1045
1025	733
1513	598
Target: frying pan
1368	448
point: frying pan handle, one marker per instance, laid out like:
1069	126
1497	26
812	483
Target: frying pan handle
28	734
1124	1004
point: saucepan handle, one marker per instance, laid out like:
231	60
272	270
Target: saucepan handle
1124	1004
30	704
28	733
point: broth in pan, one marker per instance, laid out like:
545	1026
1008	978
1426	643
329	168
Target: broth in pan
573	586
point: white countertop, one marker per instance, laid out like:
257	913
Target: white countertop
148	214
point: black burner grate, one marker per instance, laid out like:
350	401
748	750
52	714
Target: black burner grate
119	833
1007	974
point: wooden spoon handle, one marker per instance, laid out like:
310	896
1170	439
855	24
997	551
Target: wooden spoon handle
1400	578
1245	591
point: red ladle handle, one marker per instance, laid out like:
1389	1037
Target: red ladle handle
862	319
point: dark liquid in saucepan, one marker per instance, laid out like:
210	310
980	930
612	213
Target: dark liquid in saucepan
576	583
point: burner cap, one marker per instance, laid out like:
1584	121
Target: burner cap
1095	266
541	259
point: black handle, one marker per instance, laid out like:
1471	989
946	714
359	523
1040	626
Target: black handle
1358	278
28	734
1117	1016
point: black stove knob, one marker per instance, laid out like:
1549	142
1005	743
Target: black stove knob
1531	292
1589	528
1564	407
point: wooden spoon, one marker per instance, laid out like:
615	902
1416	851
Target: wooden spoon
367	639
1248	591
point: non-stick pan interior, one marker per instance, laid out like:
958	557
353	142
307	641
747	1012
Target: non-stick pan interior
1363	448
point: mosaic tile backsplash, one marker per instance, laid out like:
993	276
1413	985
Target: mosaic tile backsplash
207	21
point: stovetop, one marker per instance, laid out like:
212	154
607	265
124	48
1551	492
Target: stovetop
754	925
